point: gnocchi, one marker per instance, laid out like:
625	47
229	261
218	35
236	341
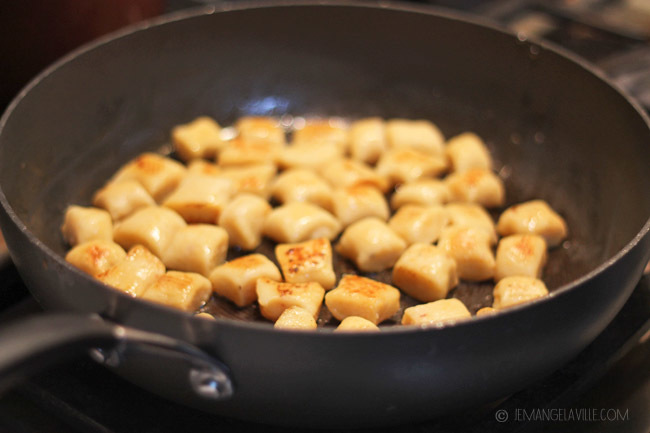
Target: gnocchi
236	280
194	233
274	297
363	297
83	224
307	261
371	245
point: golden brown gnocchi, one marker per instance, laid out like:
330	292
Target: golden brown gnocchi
185	291
307	261
135	272
363	297
470	248
425	272
157	174
523	255
327	182
275	297
533	217
95	257
511	291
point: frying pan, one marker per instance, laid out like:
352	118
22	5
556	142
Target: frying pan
558	130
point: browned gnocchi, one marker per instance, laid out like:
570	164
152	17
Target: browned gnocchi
274	218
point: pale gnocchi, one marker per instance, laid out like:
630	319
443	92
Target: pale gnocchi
181	223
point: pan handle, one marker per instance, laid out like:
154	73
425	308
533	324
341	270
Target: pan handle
35	343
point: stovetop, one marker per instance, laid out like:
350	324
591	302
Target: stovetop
604	389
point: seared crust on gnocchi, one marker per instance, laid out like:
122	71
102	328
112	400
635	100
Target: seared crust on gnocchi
157	174
246	189
96	256
185	291
523	255
470	248
135	272
275	297
307	261
363	297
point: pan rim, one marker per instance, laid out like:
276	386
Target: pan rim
382	5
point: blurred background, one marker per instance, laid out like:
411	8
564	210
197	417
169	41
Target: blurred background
612	373
611	33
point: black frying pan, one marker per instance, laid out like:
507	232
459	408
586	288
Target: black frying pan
565	134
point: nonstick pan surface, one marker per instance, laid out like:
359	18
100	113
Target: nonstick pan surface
557	130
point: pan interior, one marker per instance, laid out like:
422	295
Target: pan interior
557	131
